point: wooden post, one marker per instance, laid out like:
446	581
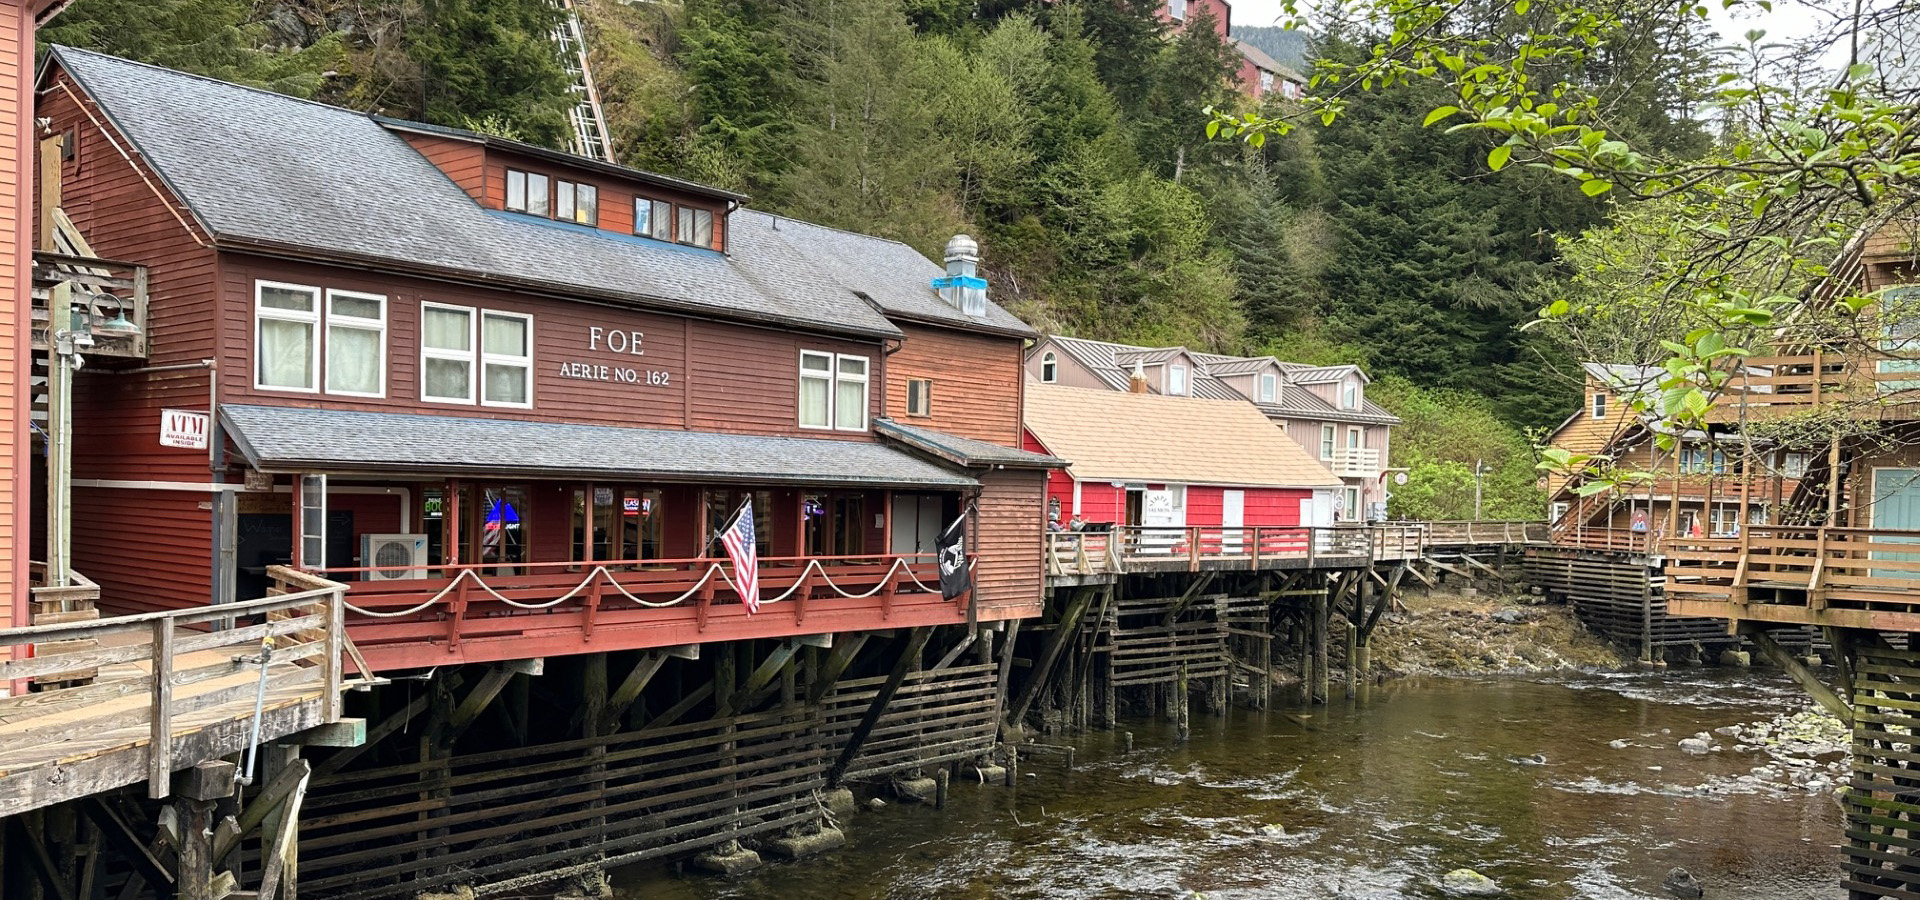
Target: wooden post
160	739
202	787
593	706
1320	619
1064	630
1360	593
916	641
1181	723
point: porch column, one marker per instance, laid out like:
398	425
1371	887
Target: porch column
450	523
299	525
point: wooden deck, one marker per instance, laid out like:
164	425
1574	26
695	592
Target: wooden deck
1844	577
1074	557
161	692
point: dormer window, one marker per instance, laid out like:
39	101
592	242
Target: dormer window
579	203
653	218
696	226
527	192
1269	387
1350	396
1177	380
1049	367
552	198
1599	406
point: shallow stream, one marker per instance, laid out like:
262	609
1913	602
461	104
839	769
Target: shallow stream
1377	801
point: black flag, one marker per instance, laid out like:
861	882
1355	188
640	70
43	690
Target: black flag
956	577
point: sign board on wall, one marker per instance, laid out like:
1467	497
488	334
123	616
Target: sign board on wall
184	429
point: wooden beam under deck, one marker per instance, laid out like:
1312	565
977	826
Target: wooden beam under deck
1785	614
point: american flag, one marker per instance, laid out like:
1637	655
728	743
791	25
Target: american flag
739	541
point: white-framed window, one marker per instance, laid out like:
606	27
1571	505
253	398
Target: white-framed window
1266	81
1353	503
850	393
1599	406
506	359
1350	395
833	391
1269	387
446	353
286	337
816	389
356	344
1177	10
1049	367
1327	438
920	397
1177	380
1356	437
1557	510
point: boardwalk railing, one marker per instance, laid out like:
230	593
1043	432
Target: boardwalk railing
1787	384
493	608
1798	574
1151	548
158	678
1620	540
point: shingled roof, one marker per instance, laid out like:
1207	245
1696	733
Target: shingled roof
1112	364
1120	436
263	171
296	439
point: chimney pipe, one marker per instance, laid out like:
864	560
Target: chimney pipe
963	288
1138	383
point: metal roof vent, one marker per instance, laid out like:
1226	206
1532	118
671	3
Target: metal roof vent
963	288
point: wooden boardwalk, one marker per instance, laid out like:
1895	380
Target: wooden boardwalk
1077	557
154	693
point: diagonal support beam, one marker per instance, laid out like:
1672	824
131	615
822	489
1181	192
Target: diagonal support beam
629	689
1064	631
477	701
382	731
1808	682
838	660
146	866
761	684
916	642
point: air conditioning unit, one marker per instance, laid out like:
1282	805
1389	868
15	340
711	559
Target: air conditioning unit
395	556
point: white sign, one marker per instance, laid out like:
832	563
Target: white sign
184	429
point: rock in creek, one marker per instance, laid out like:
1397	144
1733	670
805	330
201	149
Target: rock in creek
1682	884
1695	745
1468	883
1273	831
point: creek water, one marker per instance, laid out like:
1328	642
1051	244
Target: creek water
1377	799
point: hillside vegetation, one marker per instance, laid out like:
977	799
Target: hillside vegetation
1068	136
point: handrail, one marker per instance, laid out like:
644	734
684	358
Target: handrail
1073	553
199	615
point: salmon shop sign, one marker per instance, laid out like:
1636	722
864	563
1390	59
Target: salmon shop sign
621	342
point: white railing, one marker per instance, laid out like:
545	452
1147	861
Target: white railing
1355	462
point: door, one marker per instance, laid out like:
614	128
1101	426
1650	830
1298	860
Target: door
1233	515
1160	520
917	520
1896	507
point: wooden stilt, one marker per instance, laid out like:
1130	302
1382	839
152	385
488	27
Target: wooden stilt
1181	723
1064	630
1320	622
916	641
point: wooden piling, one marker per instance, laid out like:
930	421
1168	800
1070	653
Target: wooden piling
1182	725
1319	624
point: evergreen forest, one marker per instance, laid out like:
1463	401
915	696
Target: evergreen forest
1070	138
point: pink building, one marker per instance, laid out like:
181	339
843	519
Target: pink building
1261	74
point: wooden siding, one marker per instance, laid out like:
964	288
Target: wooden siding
1008	579
464	161
719	377
16	205
615	196
976	382
163	551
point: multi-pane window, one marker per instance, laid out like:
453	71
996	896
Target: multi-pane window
1269	387
1694	460
529	192
1793	465
575	202
920	397
850	393
1599	406
1049	367
1177	10
286	337
468	356
506	359
446	353
310	340
356	344
833	391
1326	441
653	218
1356	438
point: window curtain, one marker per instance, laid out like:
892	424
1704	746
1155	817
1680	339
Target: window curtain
814	401
353	360
286	354
850	405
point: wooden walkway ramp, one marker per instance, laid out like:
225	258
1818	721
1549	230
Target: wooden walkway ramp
105	703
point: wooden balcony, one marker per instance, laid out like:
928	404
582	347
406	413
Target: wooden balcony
1845	577
1355	462
414	617
167	691
1873	384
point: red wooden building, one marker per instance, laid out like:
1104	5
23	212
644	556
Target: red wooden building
1144	459
510	395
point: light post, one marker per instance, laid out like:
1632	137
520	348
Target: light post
1478	470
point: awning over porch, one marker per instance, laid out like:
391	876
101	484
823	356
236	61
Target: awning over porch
962	451
295	439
